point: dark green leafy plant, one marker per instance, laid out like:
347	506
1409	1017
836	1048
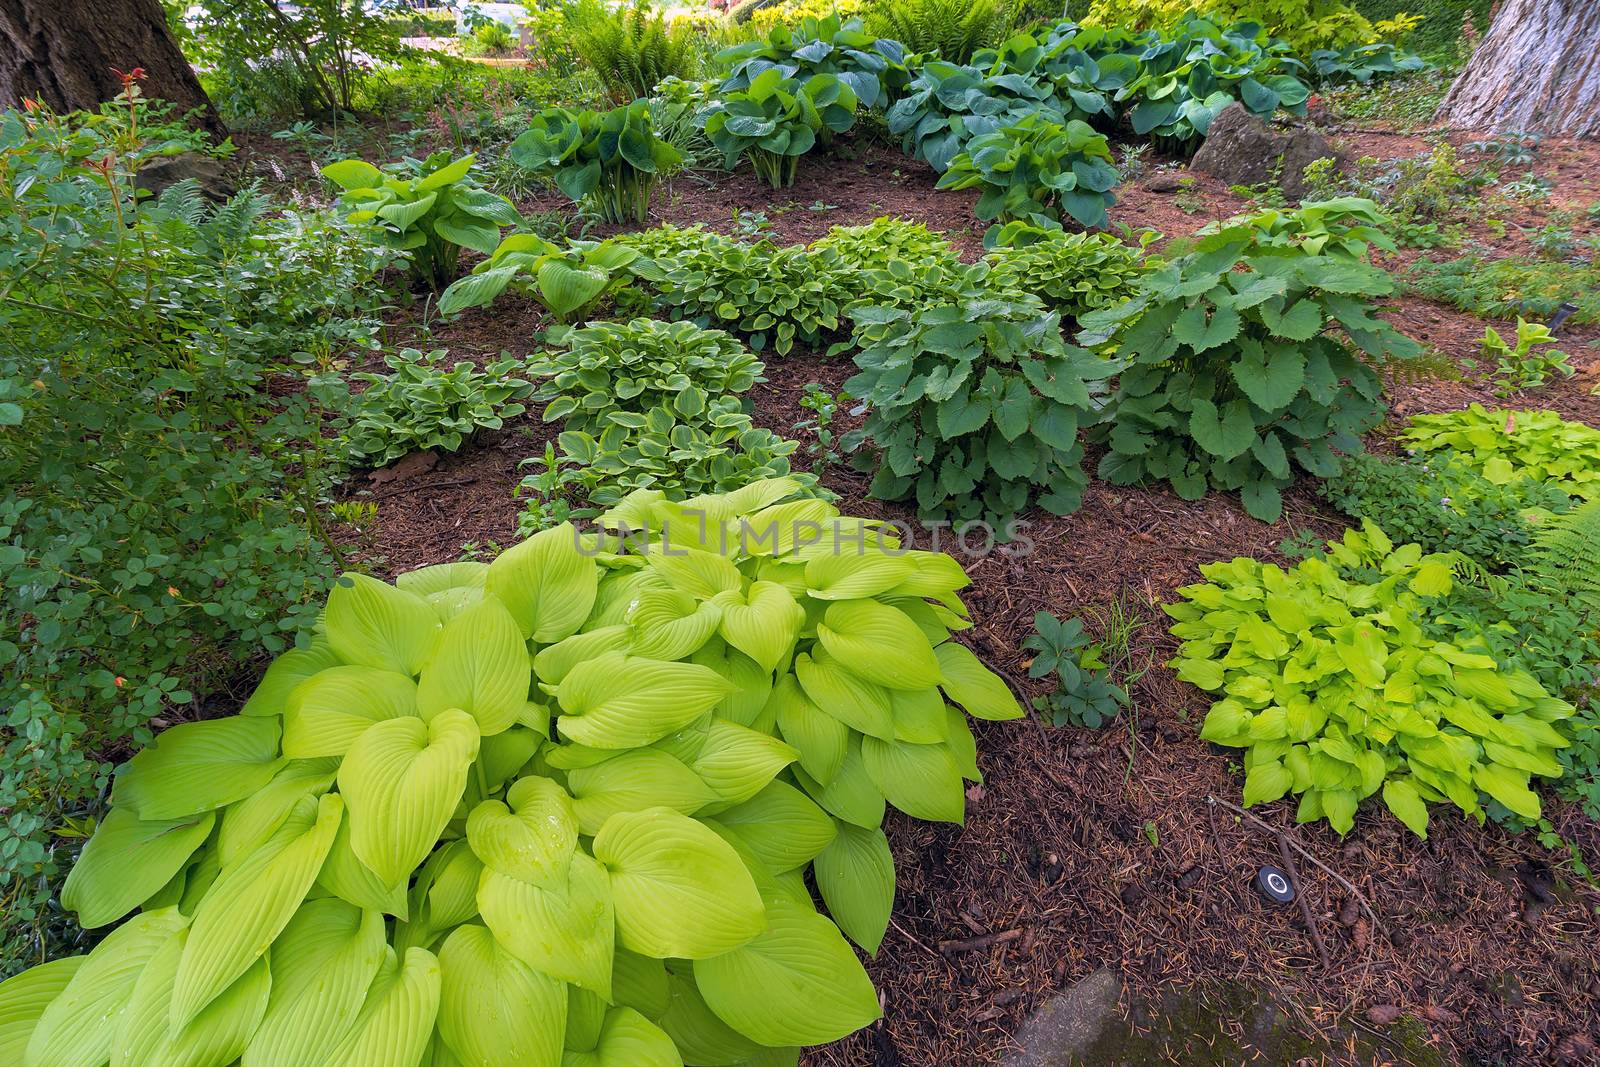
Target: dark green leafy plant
1037	169
873	67
1084	694
974	404
777	120
570	280
420	405
1073	273
631	47
428	209
1566	557
608	161
1233	374
947	105
1362	63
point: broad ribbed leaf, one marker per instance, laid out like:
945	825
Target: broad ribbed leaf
199	766
495	1010
620	701
126	861
820	738
397	1018
346	877
847	696
975	687
628	1039
879	643
680	891
247	823
23	999
781	826
250	903
852	795
851	576
329	710
762	622
531	836
855	874
402	781
286	672
699	573
796	983
546	583
924	781
634	781
737	762
700	1036
214	1038
567	932
555	662
481	667
373	624
919	715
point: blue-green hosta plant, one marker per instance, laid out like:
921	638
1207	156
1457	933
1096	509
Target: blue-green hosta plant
1325	675
873	67
1037	169
974	403
423	405
429	209
947	105
570	281
777	120
1245	359
549	811
606	160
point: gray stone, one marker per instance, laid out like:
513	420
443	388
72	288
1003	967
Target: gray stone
160	173
1064	1030
1242	150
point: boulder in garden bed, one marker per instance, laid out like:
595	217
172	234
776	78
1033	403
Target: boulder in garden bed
1242	150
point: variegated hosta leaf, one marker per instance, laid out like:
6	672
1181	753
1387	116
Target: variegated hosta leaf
855	874
331	709
634	781
126	861
250	903
373	624
547	584
680	891
628	1039
322	965
821	739
79	1026
824	995
763	622
213	1038
851	698
24	997
397	1018
975	687
346	877
879	643
481	667
247	823
494	1009
619	701
781	826
286	672
924	781
199	766
566	932
402	780
531	836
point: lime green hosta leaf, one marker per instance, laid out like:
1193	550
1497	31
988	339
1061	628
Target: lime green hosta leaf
481	667
879	643
628	1039
286	672
247	823
329	710
1266	782
975	687
699	573
796	983
199	766
567	932
640	982
924	781
494	1009
1509	787
781	826
700	1036
566	288
853	576
531	836
852	795
397	1018
322	965
555	662
633	781
821	739
24	998
737	762
586	1014
402	780
213	1038
919	715
763	622
126	861
79	1026
425	581
855	874
373	624
680	891
449	883
353	174
670	624
346	877
620	701
1408	806
842	693
546	583
250	903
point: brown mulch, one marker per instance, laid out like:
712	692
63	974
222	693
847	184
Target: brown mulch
1087	849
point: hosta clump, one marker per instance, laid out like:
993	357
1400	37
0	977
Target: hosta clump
422	405
873	67
1326	676
874	245
1073	273
1037	169
947	105
1234	372
776	120
555	809
569	279
1505	445
974	403
609	160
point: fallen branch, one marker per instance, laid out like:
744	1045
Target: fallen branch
973	944
1300	896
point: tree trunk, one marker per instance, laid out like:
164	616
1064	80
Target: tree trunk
62	53
1537	69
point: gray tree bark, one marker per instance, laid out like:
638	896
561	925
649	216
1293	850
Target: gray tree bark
62	53
1537	69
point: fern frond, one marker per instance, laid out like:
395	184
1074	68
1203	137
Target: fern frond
1566	555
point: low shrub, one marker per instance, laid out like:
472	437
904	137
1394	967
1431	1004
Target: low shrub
433	839
607	161
1506	445
420	405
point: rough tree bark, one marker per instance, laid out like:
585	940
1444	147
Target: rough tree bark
1538	68
61	52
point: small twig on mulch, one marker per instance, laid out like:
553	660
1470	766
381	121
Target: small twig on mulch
973	944
422	484
1300	895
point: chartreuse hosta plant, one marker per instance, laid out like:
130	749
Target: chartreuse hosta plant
1037	169
570	280
1325	676
429	209
1073	273
874	245
1506	445
608	161
776	120
552	811
1245	358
